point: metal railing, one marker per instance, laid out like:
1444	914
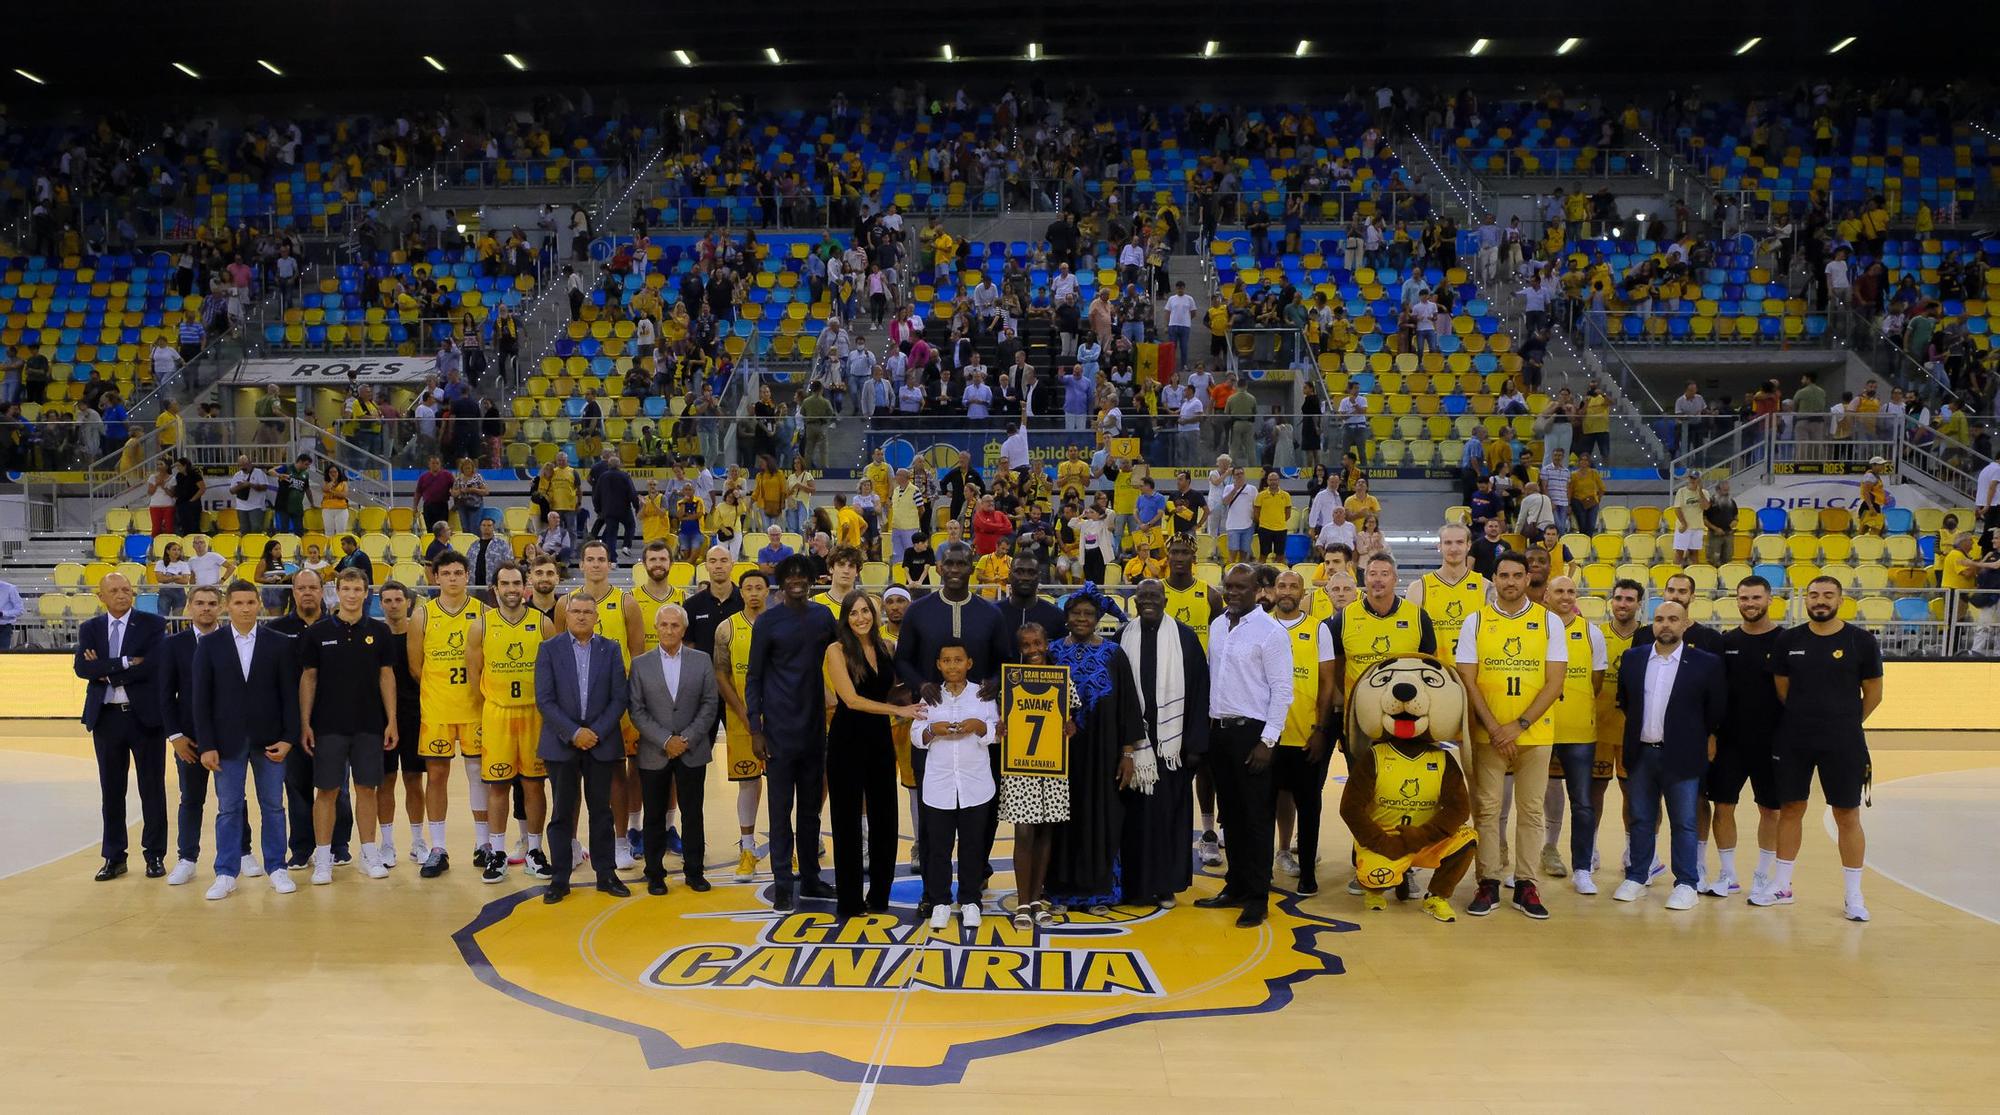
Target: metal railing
523	174
1672	327
1587	163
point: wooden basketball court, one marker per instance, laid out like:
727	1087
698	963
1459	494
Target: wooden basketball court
449	995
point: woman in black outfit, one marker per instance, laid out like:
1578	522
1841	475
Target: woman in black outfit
861	757
188	487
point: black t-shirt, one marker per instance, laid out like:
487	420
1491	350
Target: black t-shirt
1823	708
1751	720
705	614
347	697
408	713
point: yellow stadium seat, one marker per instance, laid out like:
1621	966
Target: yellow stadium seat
1646	520
1802	520
1640	547
1614	518
1835	547
1802	547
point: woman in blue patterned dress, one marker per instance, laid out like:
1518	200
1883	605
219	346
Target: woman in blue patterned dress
1082	869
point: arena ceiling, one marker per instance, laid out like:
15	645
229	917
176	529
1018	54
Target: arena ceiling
241	47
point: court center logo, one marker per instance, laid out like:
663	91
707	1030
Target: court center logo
720	977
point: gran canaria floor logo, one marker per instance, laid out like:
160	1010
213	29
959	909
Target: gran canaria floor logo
721	977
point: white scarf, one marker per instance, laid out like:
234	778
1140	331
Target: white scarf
1167	699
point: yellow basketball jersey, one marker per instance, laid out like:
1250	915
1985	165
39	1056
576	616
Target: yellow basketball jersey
1407	791
1576	711
445	689
1190	608
1303	716
1610	727
1319	605
1513	656
611	620
649	611
740	634
508	675
1448	604
1366	638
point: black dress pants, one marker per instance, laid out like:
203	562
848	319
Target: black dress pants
124	745
654	787
1306	782
861	779
1249	801
793	779
577	783
967	826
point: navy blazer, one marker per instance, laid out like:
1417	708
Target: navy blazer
145	636
176	684
1693	713
563	713
234	716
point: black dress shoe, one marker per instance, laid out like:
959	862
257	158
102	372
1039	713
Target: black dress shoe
1251	917
111	870
556	894
656	887
815	888
1221	901
615	887
781	899
697	884
156	867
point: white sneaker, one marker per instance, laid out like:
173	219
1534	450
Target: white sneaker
281	881
419	851
1722	886
1854	910
1628	891
1759	882
385	851
222	887
183	872
252	867
624	857
1659	869
940	916
1683	898
1288	863
1354	887
968	915
1771	896
373	865
1511	884
1210	849
322	868
1582	881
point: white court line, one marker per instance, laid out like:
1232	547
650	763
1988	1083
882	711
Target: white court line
8	874
1826	822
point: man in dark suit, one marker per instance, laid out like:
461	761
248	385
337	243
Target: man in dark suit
580	686
616	500
204	612
246	717
117	653
674	705
1674	697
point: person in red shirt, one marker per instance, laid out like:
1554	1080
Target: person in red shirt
989	526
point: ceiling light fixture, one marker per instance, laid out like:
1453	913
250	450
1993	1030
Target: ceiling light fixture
514	60
187	69
1209	48
435	64
1478	47
1749	45
684	58
948	55
1568	45
1304	48
1842	45
771	52
1034	52
274	70
31	77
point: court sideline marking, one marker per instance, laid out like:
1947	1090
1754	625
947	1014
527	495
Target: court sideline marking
1833	833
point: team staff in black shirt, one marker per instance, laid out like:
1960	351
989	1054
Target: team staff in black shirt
1829	675
1743	746
347	713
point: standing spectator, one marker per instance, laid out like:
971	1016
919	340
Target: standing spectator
1586	493
160	498
431	500
250	490
1689	407
1353	411
1180	322
1688	513
468	495
292	485
1556	478
1720	517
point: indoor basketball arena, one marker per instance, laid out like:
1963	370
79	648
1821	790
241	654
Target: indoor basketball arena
864	558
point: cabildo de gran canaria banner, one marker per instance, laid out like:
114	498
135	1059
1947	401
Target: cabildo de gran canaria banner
722	977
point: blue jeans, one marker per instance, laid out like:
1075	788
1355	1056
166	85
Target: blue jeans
229	807
1179	335
1577	760
1645	785
1134	331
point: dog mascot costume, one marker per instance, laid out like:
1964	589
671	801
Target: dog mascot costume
1406	799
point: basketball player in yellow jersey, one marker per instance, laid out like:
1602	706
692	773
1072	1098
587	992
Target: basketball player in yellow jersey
732	673
1452	593
438	636
1192	604
1576	734
500	655
1513	659
617	620
1303	756
654	589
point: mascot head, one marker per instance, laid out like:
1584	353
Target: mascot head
1409	698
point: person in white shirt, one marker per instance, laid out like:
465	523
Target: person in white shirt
1353	411
1180	320
1249	695
1014	451
251	491
1325	502
1986	495
206	566
954	732
1239	509
1188	437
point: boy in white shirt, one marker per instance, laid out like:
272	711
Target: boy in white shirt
955	731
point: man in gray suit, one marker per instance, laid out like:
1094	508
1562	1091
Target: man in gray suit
580	688
674	705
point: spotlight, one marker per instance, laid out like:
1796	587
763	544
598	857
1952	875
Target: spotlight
514	60
1568	45
1478	47
1749	45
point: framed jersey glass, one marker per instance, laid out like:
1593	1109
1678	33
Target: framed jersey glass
1034	704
